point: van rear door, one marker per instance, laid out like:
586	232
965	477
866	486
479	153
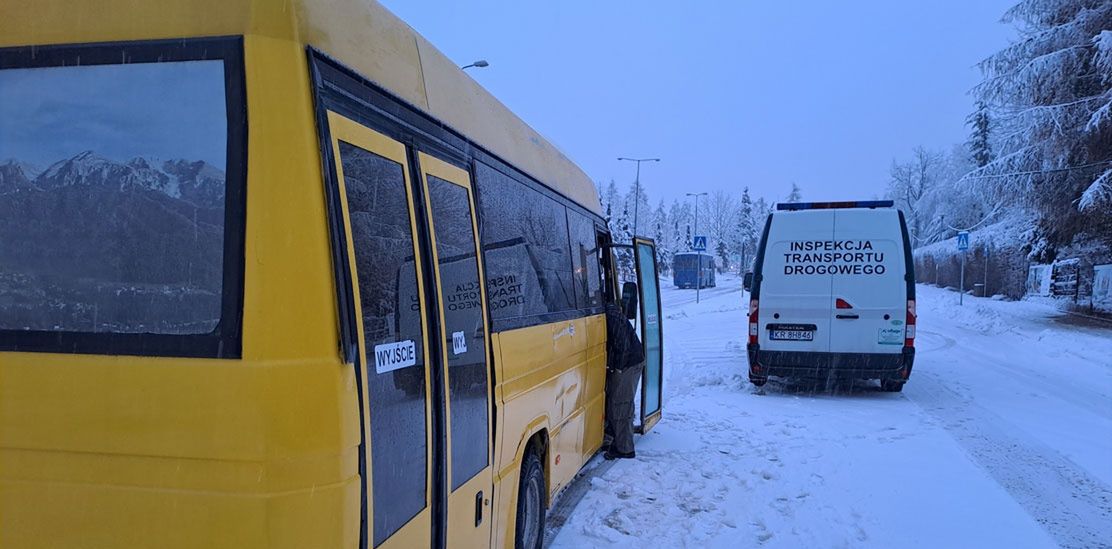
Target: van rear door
869	288
790	300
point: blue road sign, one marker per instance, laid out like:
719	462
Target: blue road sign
699	243
963	241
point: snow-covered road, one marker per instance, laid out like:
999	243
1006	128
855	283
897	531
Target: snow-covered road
1003	438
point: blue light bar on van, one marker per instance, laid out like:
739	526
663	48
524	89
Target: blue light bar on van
793	206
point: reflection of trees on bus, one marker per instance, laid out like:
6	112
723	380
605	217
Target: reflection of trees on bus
526	240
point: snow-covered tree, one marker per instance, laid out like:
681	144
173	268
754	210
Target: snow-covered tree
746	233
795	195
664	249
1050	93
680	216
610	205
636	202
979	144
720	215
910	185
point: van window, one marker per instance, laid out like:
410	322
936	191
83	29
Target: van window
525	243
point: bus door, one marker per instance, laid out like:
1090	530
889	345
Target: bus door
652	337
463	360
392	365
423	361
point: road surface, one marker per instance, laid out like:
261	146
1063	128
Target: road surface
1002	437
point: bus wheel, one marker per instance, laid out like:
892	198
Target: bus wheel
758	381
891	385
530	504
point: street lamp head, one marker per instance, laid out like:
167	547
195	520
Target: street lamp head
480	64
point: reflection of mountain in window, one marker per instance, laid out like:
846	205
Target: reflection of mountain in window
112	198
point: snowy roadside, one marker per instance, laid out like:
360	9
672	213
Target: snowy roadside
791	466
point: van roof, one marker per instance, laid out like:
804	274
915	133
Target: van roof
797	206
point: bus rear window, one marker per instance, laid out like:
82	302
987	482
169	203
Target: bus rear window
113	197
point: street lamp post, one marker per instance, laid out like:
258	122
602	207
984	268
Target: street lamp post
637	186
482	63
699	256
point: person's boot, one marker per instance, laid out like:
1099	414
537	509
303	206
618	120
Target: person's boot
611	455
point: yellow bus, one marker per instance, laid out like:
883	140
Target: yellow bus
279	274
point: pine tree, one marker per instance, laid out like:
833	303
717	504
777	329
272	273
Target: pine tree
795	195
979	146
663	246
679	214
610	204
746	233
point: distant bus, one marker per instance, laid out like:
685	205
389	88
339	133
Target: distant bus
685	269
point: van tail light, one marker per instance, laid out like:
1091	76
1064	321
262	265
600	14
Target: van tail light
842	304
753	308
909	334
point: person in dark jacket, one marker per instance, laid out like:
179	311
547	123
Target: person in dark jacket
625	359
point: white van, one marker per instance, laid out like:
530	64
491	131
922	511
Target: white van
832	294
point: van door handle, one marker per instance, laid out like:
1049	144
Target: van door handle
848	317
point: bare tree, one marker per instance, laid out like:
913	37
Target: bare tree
911	182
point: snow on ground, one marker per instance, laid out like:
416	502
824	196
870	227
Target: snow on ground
1002	437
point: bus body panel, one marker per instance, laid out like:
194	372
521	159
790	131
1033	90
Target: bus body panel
164	452
102	450
553	381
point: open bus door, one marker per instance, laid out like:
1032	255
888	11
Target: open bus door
641	303
652	336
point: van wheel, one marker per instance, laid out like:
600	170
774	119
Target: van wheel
758	381
891	386
530	504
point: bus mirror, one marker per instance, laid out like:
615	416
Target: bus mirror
629	300
748	282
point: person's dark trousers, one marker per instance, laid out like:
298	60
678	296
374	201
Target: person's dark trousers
620	389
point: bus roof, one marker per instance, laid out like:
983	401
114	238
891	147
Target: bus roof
358	33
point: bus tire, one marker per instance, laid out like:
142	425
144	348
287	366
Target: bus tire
891	385
530	504
758	381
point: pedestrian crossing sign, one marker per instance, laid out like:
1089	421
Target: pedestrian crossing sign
963	241
699	243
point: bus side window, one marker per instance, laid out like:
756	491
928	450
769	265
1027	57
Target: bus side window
585	265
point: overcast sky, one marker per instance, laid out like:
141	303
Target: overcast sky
729	93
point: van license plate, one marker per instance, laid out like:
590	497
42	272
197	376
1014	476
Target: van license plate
792	335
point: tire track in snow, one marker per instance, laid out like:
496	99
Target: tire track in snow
1073	506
